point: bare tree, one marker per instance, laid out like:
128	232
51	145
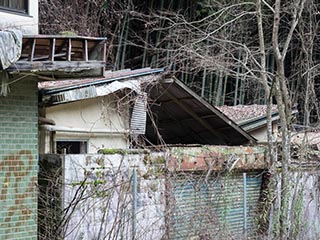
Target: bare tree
264	48
224	40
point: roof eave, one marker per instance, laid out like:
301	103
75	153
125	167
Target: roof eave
101	81
231	123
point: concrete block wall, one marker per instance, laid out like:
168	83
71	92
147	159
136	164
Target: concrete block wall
112	174
98	193
19	161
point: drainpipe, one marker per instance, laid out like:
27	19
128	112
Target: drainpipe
134	202
245	227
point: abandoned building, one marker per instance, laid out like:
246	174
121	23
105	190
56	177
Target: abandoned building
193	139
81	117
88	153
27	58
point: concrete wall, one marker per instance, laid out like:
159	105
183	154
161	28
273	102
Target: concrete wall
19	161
99	190
92	115
98	193
303	202
28	23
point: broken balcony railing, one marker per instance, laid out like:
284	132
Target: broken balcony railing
59	55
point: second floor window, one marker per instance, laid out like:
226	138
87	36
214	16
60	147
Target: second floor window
15	5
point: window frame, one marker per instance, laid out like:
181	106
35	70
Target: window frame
83	145
18	11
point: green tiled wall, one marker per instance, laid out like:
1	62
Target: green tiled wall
19	161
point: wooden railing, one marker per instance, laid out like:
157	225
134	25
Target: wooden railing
53	54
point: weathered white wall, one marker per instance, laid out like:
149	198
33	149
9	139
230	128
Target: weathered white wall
106	211
261	133
96	114
311	205
304	203
27	23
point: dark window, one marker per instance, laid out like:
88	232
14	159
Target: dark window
15	5
71	147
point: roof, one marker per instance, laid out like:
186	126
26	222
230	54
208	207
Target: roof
250	117
50	87
183	117
58	92
310	138
241	113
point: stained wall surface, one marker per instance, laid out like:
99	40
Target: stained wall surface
19	161
103	120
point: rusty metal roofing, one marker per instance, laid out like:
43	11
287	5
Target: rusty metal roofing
241	113
58	92
307	138
50	87
182	117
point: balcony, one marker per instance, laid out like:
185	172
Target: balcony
60	56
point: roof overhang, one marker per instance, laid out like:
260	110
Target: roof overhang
179	114
59	92
258	122
182	117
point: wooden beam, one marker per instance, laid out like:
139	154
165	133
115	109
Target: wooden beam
45	57
69	49
169	101
32	50
185	120
52	49
85	50
195	116
216	111
57	66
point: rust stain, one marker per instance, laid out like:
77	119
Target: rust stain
249	150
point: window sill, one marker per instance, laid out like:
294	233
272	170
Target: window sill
15	12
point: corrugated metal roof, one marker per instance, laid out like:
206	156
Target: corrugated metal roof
57	92
50	87
183	117
139	115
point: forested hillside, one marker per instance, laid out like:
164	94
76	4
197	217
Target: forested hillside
213	46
